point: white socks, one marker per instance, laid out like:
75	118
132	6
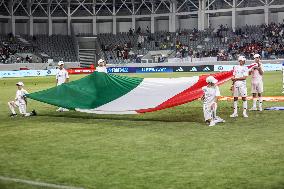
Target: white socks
254	100
260	102
214	110
245	106
235	107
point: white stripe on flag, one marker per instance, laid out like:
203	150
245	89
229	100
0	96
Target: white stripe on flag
150	93
93	111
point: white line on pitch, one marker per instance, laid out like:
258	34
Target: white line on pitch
42	184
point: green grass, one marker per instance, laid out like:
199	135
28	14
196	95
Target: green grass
171	148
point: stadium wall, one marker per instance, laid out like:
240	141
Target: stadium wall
242	20
83	28
197	63
143	24
59	28
123	26
40	28
44	66
189	23
138	69
4	29
280	17
34	66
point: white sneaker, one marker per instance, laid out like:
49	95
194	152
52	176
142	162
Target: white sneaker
212	123
234	115
245	114
65	110
253	109
219	120
260	109
59	110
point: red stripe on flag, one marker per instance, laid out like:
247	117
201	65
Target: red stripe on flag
192	93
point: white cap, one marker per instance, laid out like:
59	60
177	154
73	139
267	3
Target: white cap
256	56
211	79
20	83
100	61
60	63
242	58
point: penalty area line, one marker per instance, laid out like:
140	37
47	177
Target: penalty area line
35	183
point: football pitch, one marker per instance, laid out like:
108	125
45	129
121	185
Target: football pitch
168	149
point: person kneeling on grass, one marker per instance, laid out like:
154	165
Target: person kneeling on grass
211	93
20	102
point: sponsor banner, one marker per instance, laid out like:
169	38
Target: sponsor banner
121	70
205	68
204	59
223	68
190	60
272	67
27	73
80	70
266	67
154	69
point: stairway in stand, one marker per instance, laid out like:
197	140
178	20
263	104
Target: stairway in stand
87	57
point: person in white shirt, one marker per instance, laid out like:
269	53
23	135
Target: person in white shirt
239	86
101	66
257	83
61	77
210	97
20	102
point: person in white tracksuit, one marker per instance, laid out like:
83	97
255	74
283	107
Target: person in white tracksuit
20	102
239	86
101	66
257	83
62	76
210	97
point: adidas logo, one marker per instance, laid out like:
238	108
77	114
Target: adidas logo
206	69
193	69
179	69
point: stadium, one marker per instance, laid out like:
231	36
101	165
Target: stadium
141	94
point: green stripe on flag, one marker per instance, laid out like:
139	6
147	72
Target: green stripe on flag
89	92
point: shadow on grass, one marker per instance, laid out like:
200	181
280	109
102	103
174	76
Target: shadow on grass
162	116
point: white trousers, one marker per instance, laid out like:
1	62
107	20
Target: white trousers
240	90
209	111
16	104
257	87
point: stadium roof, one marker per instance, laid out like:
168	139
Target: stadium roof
41	8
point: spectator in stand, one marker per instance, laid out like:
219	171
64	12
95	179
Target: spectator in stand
147	30
18	59
130	31
27	58
224	44
138	30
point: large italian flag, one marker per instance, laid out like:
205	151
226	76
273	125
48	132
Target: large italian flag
103	93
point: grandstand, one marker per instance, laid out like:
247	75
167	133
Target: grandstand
129	31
